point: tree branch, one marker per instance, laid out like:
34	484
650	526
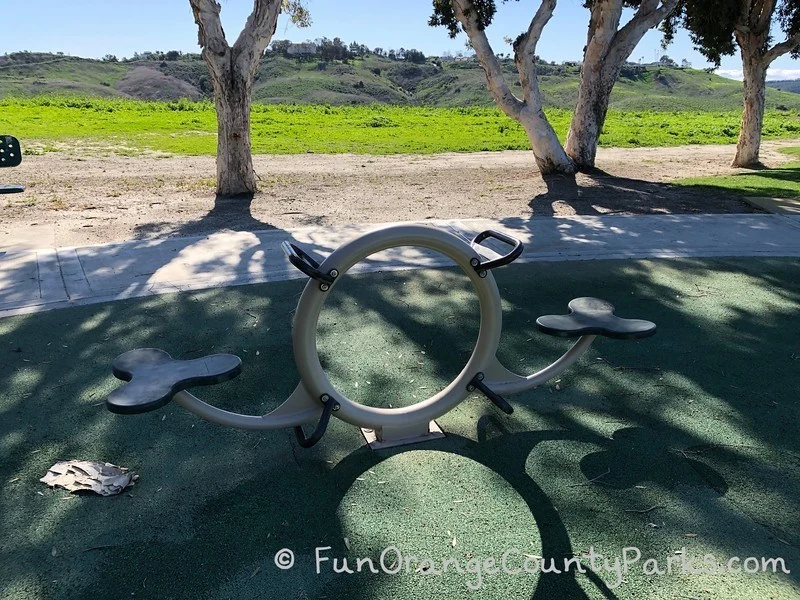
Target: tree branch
764	17
210	35
527	41
466	14
648	15
603	27
260	27
256	35
525	52
781	49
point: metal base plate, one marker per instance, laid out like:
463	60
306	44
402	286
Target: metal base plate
434	433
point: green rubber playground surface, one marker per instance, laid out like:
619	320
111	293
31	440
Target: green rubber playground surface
684	446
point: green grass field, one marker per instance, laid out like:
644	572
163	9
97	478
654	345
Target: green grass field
189	128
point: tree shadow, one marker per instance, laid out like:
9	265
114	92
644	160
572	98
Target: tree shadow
139	266
597	192
225	501
561	190
229	213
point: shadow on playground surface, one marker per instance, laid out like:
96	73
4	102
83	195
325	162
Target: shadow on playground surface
688	439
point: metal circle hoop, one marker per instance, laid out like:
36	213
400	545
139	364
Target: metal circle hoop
340	261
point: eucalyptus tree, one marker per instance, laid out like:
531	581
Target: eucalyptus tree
473	17
232	70
717	27
609	44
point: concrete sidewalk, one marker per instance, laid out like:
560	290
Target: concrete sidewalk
47	278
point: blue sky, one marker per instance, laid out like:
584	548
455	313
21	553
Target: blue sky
93	28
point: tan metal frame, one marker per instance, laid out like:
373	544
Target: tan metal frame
304	405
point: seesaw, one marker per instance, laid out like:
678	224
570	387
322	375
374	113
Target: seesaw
154	378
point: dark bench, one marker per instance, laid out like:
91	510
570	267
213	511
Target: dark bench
10	156
155	377
592	316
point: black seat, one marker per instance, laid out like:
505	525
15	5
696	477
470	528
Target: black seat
592	316
10	156
155	377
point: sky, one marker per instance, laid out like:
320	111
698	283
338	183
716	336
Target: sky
94	28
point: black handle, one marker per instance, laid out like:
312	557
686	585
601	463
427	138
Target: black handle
513	255
330	405
305	263
494	397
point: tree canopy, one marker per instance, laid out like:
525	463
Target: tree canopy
445	16
712	24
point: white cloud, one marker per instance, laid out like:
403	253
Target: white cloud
772	74
781	74
730	73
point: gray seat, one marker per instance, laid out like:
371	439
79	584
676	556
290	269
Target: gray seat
592	316
155	377
10	156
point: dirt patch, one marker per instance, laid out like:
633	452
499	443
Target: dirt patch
79	200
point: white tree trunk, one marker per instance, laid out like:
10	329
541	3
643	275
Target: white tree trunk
752	35
235	174
547	150
607	48
590	114
755	89
232	70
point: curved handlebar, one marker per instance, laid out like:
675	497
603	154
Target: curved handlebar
303	261
512	255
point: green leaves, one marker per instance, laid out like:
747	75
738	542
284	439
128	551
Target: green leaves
444	15
297	12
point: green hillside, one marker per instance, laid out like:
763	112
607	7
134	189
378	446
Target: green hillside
30	74
366	81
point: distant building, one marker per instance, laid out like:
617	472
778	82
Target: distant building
304	48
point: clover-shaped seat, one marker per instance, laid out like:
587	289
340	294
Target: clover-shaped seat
155	377
592	316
